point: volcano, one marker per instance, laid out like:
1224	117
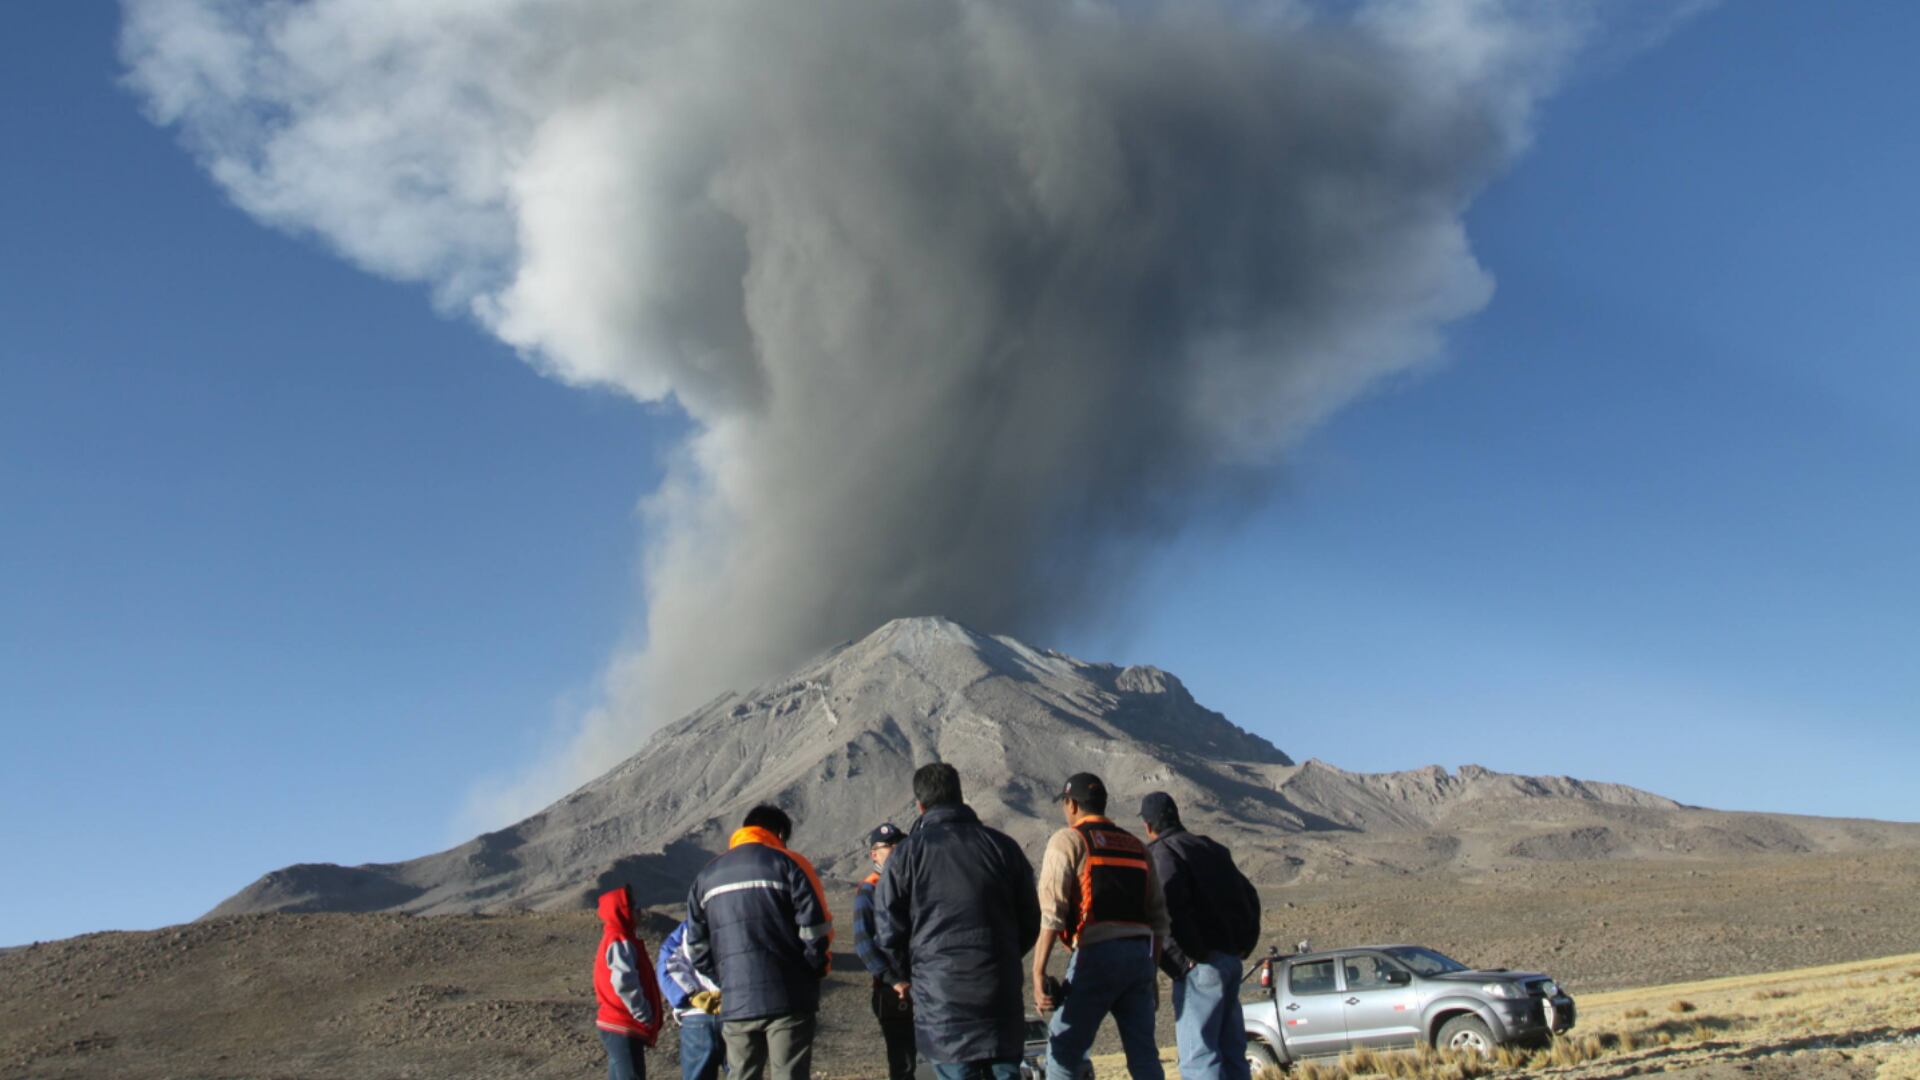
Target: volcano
836	744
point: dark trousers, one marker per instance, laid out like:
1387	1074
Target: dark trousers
979	1070
901	1055
626	1056
896	1030
701	1050
1114	977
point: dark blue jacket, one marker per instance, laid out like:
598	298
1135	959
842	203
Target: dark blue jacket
865	929
758	924
1212	905
956	910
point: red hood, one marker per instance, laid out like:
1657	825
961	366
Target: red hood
616	910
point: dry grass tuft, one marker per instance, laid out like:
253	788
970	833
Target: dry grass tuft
1510	1057
1680	1006
1636	1014
1362	1062
1423	1064
1577	1051
1698	1029
1771	995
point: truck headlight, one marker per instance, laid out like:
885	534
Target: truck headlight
1503	990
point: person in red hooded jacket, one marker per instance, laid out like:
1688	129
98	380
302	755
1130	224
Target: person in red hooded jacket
624	984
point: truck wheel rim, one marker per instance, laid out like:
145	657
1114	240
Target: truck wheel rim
1470	1040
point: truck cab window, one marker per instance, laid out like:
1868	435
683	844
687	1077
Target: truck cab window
1314	977
1368	972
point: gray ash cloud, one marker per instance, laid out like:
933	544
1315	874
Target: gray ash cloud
969	303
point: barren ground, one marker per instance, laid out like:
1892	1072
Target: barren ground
332	997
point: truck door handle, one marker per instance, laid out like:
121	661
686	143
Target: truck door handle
1353	1001
1293	1006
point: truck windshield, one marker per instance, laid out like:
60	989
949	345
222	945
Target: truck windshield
1425	961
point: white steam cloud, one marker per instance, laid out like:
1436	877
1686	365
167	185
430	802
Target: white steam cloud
968	300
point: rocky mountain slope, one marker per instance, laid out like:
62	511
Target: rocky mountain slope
836	744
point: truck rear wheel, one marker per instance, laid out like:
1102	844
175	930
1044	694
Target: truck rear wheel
1261	1058
1466	1034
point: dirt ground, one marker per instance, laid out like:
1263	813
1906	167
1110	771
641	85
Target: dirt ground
333	997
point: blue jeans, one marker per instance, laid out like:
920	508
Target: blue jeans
978	1070
1207	1021
626	1056
1115	977
701	1051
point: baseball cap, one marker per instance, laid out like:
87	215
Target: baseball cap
1158	810
887	834
1083	788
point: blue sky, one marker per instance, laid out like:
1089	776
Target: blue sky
288	561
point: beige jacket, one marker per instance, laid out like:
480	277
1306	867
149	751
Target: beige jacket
1060	894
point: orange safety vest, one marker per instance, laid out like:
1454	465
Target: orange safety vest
1114	878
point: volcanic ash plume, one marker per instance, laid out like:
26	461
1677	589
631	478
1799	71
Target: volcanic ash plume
967	300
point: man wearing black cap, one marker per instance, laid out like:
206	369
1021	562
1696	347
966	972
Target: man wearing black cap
891	1006
956	913
1215	914
1100	896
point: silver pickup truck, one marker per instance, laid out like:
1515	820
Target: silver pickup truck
1385	997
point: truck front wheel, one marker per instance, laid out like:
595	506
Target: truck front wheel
1466	1034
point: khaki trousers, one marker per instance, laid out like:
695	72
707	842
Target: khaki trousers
770	1048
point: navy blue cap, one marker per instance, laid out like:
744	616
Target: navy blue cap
1159	811
887	834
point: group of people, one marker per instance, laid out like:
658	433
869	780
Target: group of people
942	926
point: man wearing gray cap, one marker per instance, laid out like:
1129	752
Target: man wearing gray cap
1215	915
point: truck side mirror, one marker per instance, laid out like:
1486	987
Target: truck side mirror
1398	978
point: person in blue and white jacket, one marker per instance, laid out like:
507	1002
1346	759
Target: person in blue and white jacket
702	1053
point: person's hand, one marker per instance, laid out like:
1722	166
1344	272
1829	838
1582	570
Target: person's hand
1042	1001
901	989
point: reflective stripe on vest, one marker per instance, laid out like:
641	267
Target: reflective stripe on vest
1114	878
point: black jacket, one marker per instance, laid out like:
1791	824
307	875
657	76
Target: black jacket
1212	905
956	910
757	924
